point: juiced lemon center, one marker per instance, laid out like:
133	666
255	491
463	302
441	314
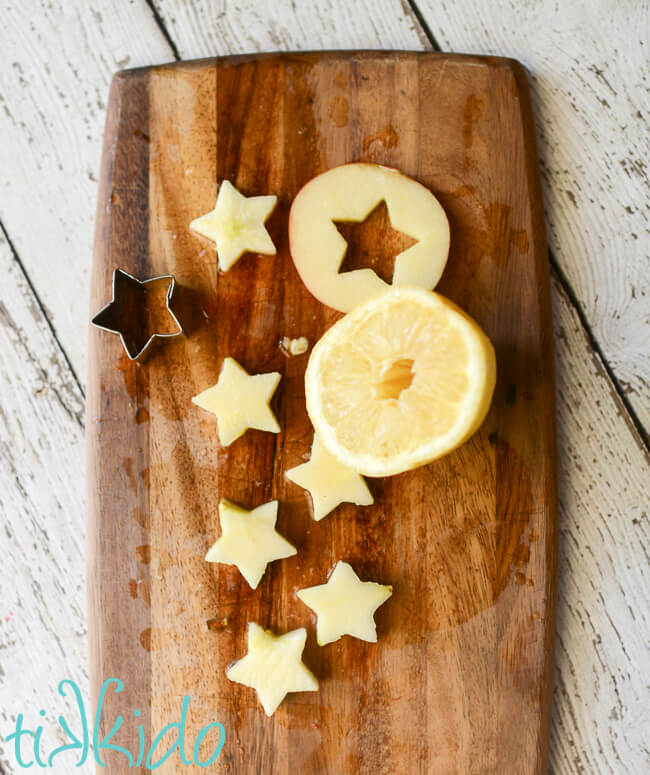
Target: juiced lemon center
402	371
397	377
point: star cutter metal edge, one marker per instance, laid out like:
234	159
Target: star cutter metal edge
132	350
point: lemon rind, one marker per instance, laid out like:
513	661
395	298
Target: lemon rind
481	370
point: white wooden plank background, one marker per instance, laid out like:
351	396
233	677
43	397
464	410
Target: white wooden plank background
588	63
42	585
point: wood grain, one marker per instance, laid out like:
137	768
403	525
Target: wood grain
251	26
57	61
57	64
588	64
600	712
42	600
586	145
115	555
461	677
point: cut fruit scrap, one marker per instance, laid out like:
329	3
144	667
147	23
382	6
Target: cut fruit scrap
249	540
402	380
297	346
236	225
350	193
273	666
240	401
345	605
329	482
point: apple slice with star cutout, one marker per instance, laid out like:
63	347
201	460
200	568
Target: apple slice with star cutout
349	193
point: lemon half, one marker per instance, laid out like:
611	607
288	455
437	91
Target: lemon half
403	379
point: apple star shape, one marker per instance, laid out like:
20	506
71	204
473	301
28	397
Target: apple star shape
236	225
329	482
240	401
273	666
249	540
345	605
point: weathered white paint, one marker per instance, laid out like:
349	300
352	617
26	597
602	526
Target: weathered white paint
207	28
56	61
42	584
601	711
588	61
51	118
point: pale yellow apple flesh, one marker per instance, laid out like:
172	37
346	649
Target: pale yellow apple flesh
298	346
273	666
350	193
345	605
329	482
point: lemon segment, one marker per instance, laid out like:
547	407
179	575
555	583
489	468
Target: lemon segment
403	379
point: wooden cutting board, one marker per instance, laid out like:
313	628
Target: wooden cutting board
460	680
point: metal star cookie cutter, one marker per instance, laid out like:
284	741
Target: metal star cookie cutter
127	314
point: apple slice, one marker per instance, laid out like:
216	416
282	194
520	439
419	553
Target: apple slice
350	193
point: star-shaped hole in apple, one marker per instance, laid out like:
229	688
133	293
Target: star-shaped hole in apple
373	243
139	312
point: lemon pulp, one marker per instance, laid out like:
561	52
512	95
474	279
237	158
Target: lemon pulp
401	380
